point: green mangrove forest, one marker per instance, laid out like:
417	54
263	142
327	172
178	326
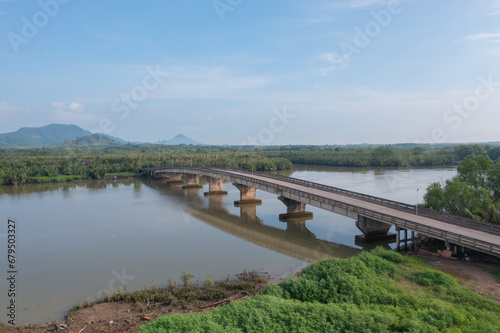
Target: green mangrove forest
86	160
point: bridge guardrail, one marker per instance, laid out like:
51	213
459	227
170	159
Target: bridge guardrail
461	240
402	223
442	216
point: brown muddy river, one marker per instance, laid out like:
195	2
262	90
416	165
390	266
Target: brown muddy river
78	241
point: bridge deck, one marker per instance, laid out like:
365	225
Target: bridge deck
460	230
477	235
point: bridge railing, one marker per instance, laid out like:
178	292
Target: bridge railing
441	216
461	240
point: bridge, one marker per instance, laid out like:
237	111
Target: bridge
374	216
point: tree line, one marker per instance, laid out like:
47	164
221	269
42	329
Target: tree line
55	165
68	163
381	156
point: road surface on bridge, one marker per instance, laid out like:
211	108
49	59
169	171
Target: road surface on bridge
426	221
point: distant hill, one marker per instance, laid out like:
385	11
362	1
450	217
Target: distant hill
92	141
50	135
54	135
180	139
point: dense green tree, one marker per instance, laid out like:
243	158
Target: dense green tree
464	151
474	171
473	193
494	153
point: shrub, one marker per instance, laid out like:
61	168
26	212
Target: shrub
433	278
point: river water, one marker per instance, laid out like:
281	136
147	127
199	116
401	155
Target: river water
79	241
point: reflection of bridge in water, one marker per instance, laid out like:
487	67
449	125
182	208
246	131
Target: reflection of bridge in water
374	216
295	241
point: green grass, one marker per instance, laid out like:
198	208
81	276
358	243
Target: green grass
69	178
122	174
56	179
496	274
381	291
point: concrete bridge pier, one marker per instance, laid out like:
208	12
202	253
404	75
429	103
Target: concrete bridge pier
247	195
295	210
215	187
175	178
372	230
193	181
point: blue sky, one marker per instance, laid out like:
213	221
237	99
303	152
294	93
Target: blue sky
254	72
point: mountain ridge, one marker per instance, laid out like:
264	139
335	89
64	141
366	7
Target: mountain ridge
58	134
49	135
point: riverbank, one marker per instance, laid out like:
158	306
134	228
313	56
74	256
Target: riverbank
127	311
128	316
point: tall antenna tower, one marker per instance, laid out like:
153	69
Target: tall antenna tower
160	142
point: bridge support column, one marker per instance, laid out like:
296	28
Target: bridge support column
372	230
175	178
414	243
215	187
295	210
193	181
398	239
247	195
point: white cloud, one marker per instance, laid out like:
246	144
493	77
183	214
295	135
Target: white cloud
336	62
484	37
72	107
76	107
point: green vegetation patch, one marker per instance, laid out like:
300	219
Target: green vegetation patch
373	292
210	291
496	274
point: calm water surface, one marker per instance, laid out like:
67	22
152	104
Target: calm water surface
79	241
